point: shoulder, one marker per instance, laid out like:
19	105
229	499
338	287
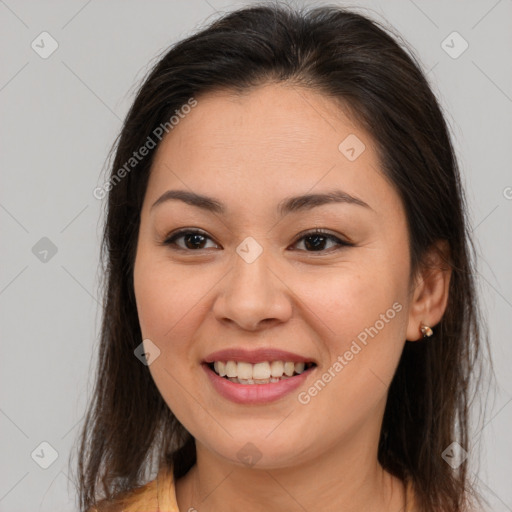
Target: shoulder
130	501
410	496
158	494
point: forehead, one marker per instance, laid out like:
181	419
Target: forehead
269	142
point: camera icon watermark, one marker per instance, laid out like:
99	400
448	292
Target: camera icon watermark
249	454
147	352
454	45
249	250
44	250
44	45
44	455
351	147
454	455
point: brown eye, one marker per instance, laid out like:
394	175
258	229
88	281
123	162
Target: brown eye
192	240
316	241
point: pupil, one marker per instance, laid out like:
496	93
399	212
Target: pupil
317	244
196	239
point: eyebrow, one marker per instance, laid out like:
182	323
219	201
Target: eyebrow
288	205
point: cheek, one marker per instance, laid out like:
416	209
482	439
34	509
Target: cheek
170	307
344	303
167	298
359	320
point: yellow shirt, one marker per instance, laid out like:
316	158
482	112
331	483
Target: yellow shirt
159	495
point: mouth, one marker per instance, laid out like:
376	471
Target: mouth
265	372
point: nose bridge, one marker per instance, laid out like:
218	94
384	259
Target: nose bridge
251	292
251	281
252	267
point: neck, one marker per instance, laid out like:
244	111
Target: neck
347	477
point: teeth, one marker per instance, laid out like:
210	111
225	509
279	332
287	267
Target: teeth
244	371
289	368
257	381
299	367
221	368
231	369
277	368
216	366
259	373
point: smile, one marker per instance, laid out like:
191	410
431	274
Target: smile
256	391
265	372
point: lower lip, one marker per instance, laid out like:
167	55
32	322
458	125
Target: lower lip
255	393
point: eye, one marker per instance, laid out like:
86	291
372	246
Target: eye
314	241
193	239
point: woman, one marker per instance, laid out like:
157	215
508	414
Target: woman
290	318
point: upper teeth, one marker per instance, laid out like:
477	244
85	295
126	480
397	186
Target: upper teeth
258	371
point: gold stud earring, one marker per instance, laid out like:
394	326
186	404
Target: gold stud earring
426	331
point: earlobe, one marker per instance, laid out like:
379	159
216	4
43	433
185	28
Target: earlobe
426	330
431	292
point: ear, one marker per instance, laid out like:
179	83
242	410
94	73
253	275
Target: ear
430	290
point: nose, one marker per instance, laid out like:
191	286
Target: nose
253	295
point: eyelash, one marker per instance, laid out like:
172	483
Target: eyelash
170	241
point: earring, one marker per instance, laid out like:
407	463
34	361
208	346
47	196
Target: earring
426	331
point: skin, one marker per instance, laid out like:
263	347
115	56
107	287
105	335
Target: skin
250	152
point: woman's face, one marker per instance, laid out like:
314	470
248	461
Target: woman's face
256	281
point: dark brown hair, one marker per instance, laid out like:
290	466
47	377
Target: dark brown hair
349	58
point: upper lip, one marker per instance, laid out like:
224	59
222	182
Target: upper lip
256	356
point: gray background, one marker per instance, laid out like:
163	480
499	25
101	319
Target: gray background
59	117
